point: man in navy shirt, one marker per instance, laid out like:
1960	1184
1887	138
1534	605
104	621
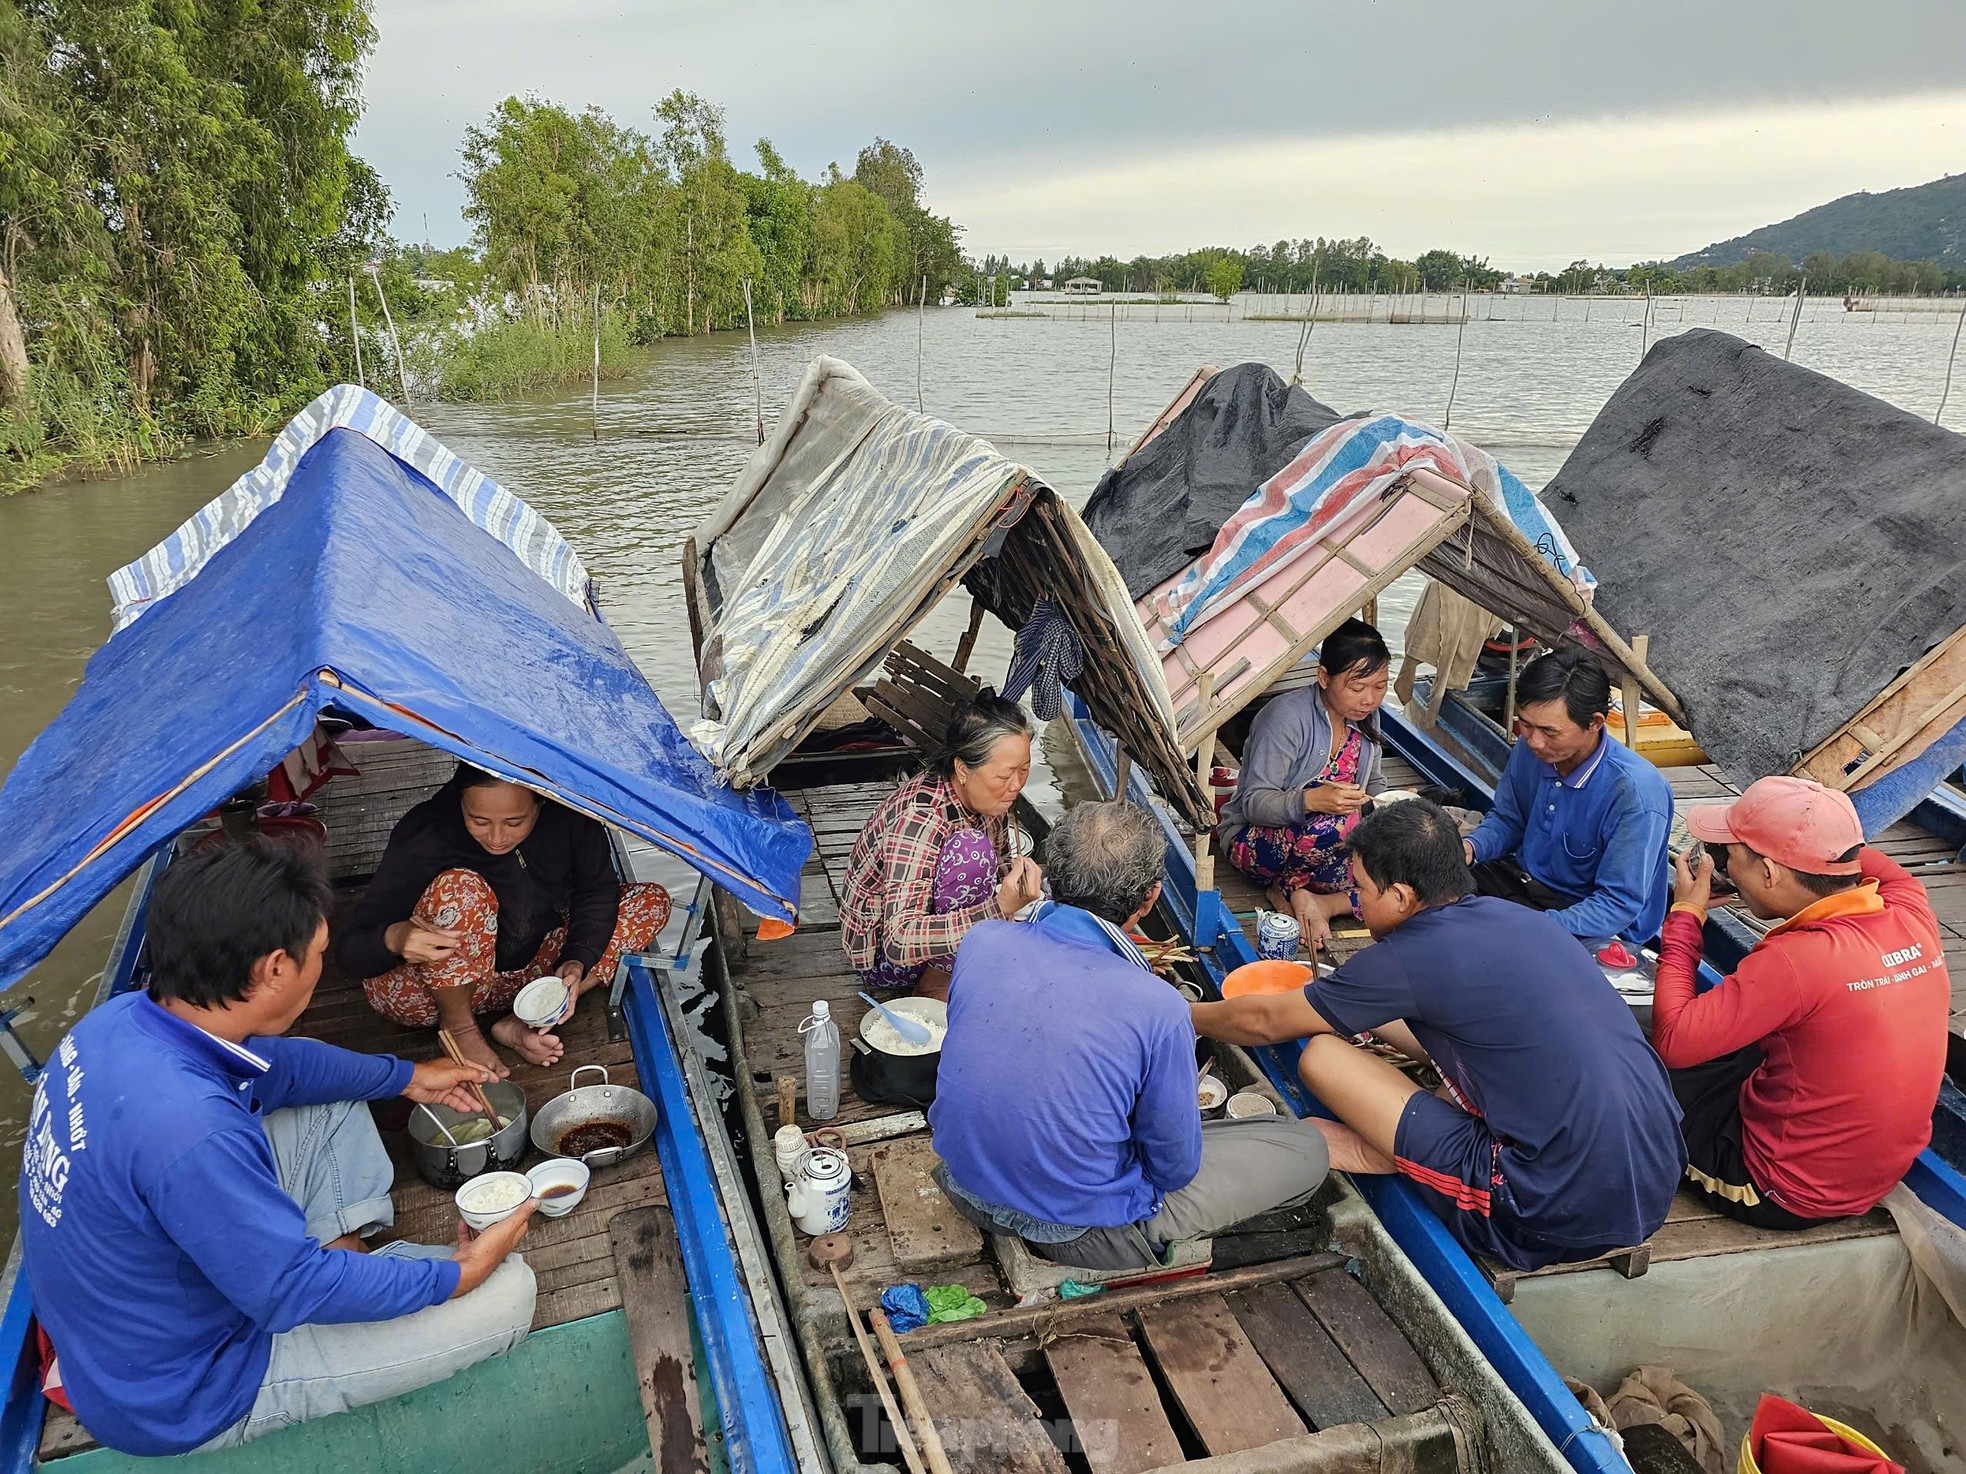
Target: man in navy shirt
1580	821
1555	1136
195	1189
1065	1109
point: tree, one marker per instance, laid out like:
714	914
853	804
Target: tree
1224	277
712	253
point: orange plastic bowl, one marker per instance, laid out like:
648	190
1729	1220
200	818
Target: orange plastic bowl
1265	977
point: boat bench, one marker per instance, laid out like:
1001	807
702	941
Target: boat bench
1692	1230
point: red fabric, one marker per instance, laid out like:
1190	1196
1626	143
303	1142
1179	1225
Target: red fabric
1787	1439
1848	1001
51	1387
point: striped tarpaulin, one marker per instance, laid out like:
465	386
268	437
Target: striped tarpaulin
176	560
1337	477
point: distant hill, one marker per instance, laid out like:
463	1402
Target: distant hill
1926	222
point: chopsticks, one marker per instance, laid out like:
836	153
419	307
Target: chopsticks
478	1091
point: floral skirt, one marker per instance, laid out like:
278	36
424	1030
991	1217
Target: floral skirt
1313	856
462	901
965	875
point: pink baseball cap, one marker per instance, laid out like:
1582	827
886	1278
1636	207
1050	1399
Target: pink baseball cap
1793	821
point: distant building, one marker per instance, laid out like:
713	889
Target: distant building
1084	286
1042	284
1516	285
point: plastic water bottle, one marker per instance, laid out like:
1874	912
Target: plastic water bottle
822	1062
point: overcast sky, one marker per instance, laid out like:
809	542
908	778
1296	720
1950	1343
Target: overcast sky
1559	129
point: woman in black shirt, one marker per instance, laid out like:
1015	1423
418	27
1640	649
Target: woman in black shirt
484	887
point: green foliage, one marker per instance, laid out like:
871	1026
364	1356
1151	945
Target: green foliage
175	189
1900	226
669	230
1224	277
524	356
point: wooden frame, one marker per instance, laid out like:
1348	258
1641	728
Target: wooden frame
1898	724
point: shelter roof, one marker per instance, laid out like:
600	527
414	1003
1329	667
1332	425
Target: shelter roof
1791	544
850	523
363	586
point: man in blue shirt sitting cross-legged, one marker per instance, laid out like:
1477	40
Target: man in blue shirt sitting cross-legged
196	1190
1580	821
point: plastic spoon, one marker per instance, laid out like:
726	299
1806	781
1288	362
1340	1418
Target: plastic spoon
913	1030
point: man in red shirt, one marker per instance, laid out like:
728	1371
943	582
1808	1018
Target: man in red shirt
1808	1078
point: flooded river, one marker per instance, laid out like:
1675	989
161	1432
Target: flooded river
670	438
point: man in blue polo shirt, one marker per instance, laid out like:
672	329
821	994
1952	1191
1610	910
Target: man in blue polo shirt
1580	821
1555	1137
195	1190
1065	1108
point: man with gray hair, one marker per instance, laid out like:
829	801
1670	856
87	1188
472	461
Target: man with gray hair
1065	1109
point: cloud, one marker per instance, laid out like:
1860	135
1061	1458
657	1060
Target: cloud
1029	90
1526	195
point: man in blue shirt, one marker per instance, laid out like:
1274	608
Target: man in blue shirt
1555	1136
1580	821
1065	1108
195	1189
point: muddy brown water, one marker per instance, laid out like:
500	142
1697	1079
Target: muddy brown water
628	486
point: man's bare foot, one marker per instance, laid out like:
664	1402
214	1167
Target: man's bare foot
476	1048
532	1046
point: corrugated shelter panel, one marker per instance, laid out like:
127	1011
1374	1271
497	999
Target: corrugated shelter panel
1252	641
1789	543
847	526
1050	554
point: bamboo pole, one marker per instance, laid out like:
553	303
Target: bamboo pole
1946	393
911	1395
402	375
1112	369
757	377
355	335
594	420
1795	321
1447	420
921	312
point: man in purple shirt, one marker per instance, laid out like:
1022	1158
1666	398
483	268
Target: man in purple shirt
196	1191
1065	1109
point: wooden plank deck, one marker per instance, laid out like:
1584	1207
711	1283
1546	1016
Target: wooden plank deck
1019	1374
572	1257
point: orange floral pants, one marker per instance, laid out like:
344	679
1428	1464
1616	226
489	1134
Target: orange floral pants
462	901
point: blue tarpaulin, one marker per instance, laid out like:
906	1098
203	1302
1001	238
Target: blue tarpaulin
365	588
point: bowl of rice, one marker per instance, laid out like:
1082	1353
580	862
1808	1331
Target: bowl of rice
491	1198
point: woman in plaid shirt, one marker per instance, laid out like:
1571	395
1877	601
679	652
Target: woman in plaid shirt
935	858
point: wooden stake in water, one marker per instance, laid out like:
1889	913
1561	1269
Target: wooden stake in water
1801	288
757	377
355	334
1459	333
921	312
1112	368
1645	327
595	422
1946	393
402	375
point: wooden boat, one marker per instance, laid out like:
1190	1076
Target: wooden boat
1308	1342
646	1342
1762	1297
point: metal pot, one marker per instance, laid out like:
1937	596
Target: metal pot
444	1165
630	1113
881	1077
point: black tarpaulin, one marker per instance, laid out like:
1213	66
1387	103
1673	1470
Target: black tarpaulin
1789	543
1160	510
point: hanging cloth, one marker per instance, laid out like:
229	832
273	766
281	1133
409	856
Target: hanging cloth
1048	655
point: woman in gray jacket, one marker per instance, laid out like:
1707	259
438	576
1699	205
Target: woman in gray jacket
1309	768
